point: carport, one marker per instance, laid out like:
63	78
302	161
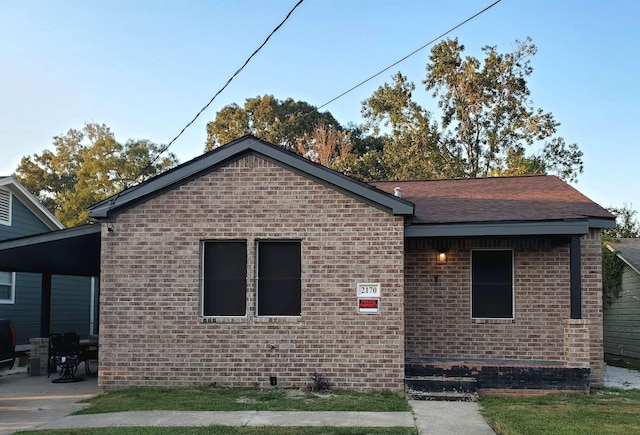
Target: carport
72	251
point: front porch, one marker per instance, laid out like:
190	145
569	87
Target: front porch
465	378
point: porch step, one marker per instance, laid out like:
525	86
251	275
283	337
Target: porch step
441	388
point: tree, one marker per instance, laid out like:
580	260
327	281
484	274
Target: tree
279	122
627	225
88	166
486	122
324	145
414	148
365	161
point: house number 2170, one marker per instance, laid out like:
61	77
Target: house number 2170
369	289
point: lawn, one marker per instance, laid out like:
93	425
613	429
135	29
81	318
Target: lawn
602	412
213	398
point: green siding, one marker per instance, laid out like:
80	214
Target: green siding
25	312
23	222
622	318
70	304
70	296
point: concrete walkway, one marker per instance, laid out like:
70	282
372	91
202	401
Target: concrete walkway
34	402
441	418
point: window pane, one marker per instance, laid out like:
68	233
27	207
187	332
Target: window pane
6	286
279	260
5	292
225	278
492	287
5	278
279	289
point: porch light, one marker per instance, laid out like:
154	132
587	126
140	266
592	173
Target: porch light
442	256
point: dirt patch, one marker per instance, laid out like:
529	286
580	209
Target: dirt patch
245	400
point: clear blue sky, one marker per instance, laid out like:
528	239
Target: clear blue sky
145	67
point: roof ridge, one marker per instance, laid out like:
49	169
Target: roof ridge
501	177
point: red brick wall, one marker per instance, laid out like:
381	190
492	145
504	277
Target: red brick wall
151	332
438	302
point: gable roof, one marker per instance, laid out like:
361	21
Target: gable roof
248	145
524	205
628	250
31	202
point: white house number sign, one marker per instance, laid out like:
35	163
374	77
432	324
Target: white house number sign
368	295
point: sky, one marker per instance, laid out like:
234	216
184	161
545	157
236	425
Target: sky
146	67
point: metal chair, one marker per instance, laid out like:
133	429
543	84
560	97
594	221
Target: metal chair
63	353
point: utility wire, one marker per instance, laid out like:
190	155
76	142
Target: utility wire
166	147
398	61
323	105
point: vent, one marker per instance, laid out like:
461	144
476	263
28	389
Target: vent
5	207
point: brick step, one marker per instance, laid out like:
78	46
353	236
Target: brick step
442	396
441	388
460	384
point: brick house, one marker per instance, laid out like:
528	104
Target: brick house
250	265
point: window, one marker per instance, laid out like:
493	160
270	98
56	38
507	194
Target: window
492	284
5	207
7	287
224	278
278	283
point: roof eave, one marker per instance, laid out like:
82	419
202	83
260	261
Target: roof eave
602	223
499	229
621	256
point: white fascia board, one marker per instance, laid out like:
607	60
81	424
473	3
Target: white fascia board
32	203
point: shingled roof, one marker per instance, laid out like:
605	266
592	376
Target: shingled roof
540	201
629	251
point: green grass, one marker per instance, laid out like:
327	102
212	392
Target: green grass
227	430
602	412
212	398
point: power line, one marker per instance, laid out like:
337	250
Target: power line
400	60
166	147
323	105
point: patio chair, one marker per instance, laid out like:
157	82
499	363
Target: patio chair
88	354
63	353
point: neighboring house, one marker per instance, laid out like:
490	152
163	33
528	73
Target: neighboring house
251	265
622	316
22	215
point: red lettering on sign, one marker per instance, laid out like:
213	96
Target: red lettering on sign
368	303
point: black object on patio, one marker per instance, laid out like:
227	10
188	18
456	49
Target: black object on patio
63	353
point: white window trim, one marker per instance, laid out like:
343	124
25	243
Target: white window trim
10	203
12	299
513	286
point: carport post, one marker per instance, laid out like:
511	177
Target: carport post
575	271
45	305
